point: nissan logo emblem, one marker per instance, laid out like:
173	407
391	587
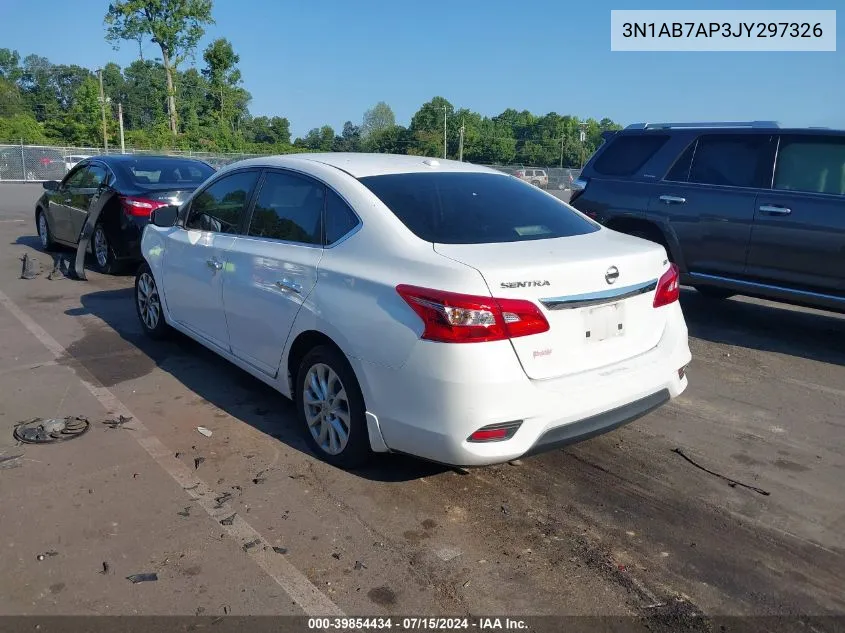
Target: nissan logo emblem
611	275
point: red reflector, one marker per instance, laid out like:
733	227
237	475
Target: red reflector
488	434
450	317
139	207
668	287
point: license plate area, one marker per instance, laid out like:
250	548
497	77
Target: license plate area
604	322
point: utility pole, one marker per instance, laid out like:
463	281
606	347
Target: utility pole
583	138
444	131
461	144
103	111
561	150
120	121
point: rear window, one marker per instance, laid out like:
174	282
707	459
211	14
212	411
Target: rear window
626	154
474	208
166	171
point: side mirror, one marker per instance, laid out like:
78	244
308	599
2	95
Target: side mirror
165	217
51	185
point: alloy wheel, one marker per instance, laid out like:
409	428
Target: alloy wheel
101	247
327	410
149	304
42	230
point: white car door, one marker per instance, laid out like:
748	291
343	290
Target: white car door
274	267
195	262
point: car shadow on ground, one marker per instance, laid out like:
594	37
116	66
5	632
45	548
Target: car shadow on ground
33	241
209	376
767	327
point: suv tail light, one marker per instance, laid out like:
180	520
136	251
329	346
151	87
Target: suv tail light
520	174
450	317
139	207
668	287
577	188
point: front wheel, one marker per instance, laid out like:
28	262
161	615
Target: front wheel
148	304
330	407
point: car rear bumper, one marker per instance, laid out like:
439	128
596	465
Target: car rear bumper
444	392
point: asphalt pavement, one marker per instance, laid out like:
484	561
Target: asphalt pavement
727	501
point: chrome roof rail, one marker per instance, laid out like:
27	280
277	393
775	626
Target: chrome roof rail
710	124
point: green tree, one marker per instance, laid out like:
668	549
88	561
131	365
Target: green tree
391	140
175	25
427	127
377	118
146	96
10	65
21	128
349	140
224	79
82	125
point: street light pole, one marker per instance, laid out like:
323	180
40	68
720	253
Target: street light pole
103	111
444	131
461	144
120	121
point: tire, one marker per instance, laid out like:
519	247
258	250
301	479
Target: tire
712	292
328	366
148	304
536	183
104	259
44	232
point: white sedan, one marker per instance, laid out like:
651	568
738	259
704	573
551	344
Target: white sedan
415	305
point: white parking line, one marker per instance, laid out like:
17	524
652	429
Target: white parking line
312	601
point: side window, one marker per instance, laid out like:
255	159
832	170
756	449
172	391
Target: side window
680	170
95	176
340	219
730	160
811	163
289	208
221	206
627	154
75	179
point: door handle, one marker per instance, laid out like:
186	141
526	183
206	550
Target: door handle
771	209
214	264
673	199
287	284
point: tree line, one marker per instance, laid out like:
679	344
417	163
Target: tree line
167	106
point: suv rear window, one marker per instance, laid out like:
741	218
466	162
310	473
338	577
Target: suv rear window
627	153
475	208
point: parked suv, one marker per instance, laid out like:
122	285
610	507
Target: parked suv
537	177
742	208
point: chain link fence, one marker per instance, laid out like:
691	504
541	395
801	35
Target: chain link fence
37	163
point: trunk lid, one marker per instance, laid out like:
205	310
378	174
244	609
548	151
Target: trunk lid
596	318
166	193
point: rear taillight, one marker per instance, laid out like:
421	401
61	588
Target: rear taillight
520	174
668	287
576	188
450	317
139	207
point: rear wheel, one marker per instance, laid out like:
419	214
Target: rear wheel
44	233
330	407
712	292
104	259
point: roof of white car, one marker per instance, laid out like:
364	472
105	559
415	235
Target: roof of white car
363	165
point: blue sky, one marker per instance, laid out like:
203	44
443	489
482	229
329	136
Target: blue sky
326	61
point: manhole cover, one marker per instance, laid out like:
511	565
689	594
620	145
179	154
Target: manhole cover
40	431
